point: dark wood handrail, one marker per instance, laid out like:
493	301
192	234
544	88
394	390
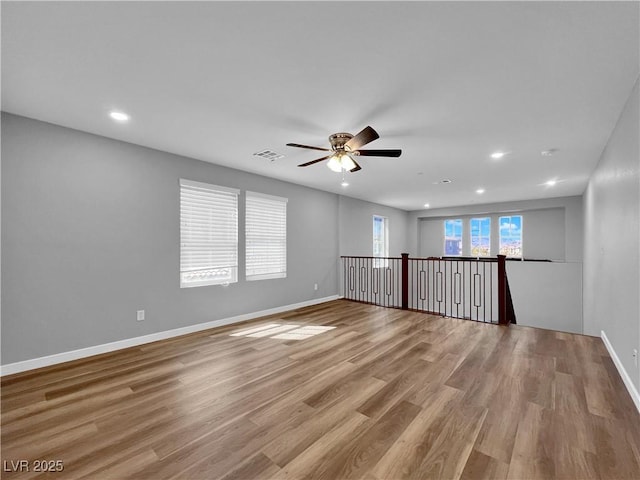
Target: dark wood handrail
378	258
467	259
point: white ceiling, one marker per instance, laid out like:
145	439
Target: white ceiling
447	82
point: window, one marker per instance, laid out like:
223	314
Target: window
380	239
266	236
453	237
511	236
208	234
480	229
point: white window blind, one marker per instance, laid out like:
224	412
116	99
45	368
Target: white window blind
208	234
266	236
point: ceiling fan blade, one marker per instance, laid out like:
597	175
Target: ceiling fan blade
356	168
308	146
367	135
313	161
379	153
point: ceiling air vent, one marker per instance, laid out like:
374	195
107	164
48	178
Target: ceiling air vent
269	155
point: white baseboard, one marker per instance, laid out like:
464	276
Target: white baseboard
623	373
40	362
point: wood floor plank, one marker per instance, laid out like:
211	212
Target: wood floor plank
572	463
223	463
616	459
52	409
265	414
305	463
257	466
534	449
400	364
573	420
481	466
394	391
286	448
385	395
353	459
351	455
123	466
41	446
498	433
211	447
404	458
448	455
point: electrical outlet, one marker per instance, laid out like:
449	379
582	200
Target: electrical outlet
635	357
140	315
315	286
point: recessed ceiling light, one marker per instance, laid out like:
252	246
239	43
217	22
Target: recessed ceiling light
345	183
497	155
426	205
550	183
119	116
480	191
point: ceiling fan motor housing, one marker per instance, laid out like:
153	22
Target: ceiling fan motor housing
338	140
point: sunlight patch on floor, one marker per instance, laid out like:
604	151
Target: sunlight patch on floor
283	332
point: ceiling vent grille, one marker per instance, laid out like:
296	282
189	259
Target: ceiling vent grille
269	155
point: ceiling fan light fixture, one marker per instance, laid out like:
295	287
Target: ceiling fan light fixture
347	162
340	162
335	164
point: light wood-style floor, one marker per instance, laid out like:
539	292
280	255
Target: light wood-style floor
387	394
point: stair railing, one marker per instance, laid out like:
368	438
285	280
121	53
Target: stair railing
460	287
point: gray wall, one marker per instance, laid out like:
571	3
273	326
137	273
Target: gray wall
547	295
90	234
552	227
356	227
612	241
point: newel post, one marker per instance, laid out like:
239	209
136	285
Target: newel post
405	281
502	290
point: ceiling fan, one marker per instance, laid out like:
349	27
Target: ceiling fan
344	147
